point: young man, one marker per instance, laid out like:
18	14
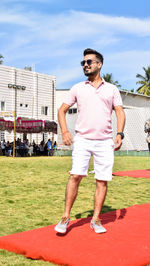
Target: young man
95	100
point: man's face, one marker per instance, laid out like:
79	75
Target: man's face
93	67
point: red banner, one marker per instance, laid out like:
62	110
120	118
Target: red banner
29	126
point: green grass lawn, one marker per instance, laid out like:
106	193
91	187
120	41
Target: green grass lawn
32	194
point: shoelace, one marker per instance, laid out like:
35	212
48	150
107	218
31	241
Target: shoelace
64	220
97	222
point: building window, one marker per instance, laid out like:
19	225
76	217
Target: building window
2	106
72	111
26	105
21	104
44	110
2	135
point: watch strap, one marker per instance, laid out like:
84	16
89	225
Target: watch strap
121	134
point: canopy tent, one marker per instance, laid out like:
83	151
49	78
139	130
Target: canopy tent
24	125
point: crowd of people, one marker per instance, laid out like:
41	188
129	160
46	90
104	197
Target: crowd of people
24	148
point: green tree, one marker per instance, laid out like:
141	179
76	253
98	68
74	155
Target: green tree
1	59
144	82
109	78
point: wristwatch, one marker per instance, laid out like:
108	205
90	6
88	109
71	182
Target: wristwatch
121	134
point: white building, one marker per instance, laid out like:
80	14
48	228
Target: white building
137	110
34	97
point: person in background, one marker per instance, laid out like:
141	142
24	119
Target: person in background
148	141
55	145
3	147
147	130
8	149
49	147
41	148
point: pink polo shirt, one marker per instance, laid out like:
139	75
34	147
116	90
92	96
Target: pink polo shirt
95	107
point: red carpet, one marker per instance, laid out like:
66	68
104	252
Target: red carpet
134	173
126	243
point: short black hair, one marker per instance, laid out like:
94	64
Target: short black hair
91	51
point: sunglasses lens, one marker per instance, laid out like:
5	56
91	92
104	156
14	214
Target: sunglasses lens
89	62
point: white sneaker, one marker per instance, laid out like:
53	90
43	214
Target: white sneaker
97	226
61	227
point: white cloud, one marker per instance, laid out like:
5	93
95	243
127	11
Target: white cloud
125	65
78	26
71	25
122	24
133	56
23	2
104	41
67	74
14	16
60	39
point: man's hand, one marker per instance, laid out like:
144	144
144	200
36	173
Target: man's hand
120	114
118	143
67	138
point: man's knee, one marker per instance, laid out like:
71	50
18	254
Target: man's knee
75	178
101	183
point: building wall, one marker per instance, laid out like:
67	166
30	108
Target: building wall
135	137
40	92
137	109
135	100
129	99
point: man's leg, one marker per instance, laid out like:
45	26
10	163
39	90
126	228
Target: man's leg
100	194
99	198
103	154
71	193
80	158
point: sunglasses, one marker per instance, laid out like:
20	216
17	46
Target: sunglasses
89	62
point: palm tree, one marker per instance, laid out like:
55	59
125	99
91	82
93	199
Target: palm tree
144	82
109	78
1	59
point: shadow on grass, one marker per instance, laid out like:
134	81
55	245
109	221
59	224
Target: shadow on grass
90	212
107	217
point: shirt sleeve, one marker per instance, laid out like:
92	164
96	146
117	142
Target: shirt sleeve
117	100
71	96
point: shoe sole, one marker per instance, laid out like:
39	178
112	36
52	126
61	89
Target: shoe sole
104	231
59	231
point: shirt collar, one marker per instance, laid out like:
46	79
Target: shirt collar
89	82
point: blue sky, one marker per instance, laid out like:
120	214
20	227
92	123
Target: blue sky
50	36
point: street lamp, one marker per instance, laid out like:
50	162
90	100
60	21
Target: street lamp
16	87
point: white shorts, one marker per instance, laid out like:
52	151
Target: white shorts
103	155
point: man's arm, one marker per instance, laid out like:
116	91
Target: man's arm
66	136
120	114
